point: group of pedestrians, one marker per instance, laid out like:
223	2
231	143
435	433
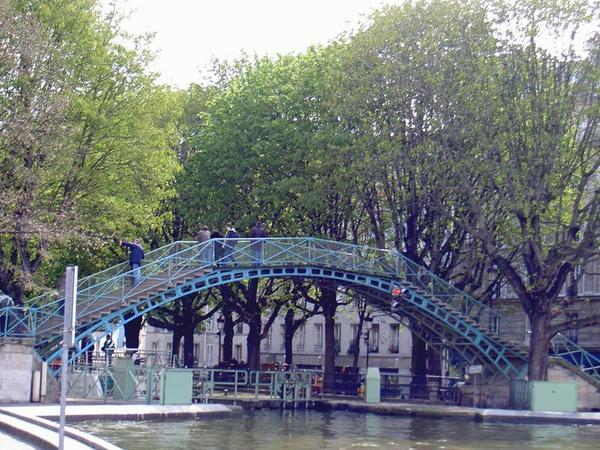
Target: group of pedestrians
223	247
222	252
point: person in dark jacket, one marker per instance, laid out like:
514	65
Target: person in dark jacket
218	246
231	237
136	254
205	251
258	232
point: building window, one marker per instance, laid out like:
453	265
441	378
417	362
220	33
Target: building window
169	348
590	280
210	351
352	342
239	328
238	352
300	337
155	346
572	334
269	339
282	336
394	338
196	352
318	336
374	338
210	325
494	325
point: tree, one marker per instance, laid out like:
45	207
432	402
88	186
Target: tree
85	147
183	317
412	89
529	182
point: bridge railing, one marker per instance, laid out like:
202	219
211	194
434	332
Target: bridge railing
112	287
166	266
161	266
563	347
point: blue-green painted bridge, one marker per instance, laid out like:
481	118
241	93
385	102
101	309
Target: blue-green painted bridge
442	315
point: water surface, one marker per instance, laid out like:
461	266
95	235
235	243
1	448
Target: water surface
307	430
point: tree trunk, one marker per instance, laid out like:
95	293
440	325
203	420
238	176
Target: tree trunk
255	325
538	347
289	336
357	343
253	342
188	348
175	342
132	333
418	386
434	362
329	305
228	327
228	332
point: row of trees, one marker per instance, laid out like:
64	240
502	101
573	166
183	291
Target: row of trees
451	131
440	128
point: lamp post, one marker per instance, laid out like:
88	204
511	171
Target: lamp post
368	322
220	323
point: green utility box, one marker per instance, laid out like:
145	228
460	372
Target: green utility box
373	385
176	386
124	379
543	395
550	396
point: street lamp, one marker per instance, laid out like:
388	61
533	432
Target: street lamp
220	323
368	323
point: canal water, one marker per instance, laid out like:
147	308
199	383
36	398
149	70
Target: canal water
307	430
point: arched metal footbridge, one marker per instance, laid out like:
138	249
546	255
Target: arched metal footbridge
442	315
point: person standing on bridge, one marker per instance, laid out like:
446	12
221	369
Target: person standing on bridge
259	233
108	348
204	236
231	237
5	302
136	254
218	246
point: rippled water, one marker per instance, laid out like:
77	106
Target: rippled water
307	430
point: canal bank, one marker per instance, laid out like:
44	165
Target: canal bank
460	412
38	424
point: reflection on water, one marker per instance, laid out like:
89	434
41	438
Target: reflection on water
307	430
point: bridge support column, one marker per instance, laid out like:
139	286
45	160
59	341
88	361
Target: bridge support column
17	364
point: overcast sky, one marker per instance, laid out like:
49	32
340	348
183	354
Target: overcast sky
189	33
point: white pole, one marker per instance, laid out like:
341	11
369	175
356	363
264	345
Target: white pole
68	341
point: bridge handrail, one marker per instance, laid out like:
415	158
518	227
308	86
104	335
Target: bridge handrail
570	351
274	251
105	274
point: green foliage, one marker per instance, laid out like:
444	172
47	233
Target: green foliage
87	148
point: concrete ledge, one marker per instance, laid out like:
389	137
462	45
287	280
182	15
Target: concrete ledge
87	440
126	412
457	412
41	436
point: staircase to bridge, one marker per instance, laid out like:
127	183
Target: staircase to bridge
444	316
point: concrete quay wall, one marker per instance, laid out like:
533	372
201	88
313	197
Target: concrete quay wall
17	363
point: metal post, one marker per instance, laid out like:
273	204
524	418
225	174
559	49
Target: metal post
219	352
367	348
474	390
68	341
149	385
